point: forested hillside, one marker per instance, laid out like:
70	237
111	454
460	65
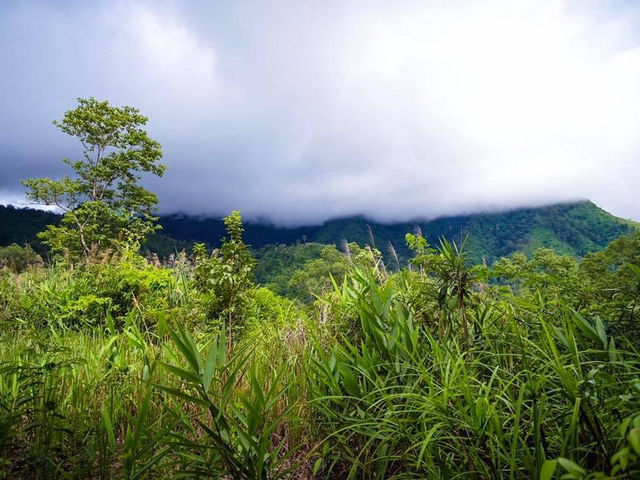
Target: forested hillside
573	228
22	225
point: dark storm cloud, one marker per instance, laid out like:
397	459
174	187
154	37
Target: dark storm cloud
300	111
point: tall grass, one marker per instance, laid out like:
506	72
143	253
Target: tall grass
117	373
402	402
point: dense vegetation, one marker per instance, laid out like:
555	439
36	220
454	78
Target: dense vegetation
120	368
118	365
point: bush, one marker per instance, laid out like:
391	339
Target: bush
17	258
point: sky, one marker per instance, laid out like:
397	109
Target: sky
296	112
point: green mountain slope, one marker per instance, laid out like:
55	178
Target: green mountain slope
574	228
21	225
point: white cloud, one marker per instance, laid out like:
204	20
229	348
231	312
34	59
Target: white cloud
303	111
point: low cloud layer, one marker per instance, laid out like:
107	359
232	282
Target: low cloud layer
302	111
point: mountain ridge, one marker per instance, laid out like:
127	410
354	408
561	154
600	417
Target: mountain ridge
574	228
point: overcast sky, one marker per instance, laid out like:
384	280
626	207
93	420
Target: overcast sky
299	111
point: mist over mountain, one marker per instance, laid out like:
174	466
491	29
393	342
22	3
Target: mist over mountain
573	228
305	111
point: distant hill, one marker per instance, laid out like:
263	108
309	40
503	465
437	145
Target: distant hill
21	225
574	228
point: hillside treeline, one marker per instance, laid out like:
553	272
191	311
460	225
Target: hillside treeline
572	228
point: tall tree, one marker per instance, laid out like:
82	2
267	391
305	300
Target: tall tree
228	273
104	204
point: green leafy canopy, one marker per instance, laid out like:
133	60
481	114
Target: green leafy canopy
103	202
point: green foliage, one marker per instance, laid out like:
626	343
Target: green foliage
444	276
72	405
116	293
527	368
17	258
614	282
424	257
276	264
104	206
304	271
314	278
239	438
227	275
163	248
546	273
403	402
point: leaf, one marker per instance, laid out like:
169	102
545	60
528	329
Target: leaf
184	396
210	365
316	466
571	467
585	327
111	326
548	469
186	350
192	346
634	268
601	332
108	425
146	375
182	373
152	461
634	439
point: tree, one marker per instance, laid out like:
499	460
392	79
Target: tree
103	203
228	273
613	283
314	277
445	276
